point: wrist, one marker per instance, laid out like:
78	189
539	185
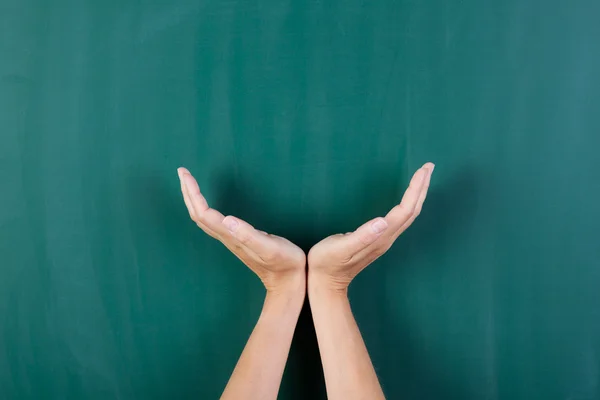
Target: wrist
286	299
325	286
290	286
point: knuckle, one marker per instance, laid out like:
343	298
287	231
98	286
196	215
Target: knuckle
410	211
368	238
237	248
382	247
271	256
413	210
346	259
243	238
404	210
344	256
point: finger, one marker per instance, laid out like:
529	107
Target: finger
401	213
205	216
430	167
245	234
420	202
361	238
190	207
189	183
186	198
194	217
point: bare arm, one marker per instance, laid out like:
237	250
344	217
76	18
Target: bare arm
332	264
259	370
349	373
281	266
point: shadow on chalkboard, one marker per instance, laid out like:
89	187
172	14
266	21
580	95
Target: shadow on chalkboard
165	239
403	371
303	377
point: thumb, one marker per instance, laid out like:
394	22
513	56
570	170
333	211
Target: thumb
245	234
365	235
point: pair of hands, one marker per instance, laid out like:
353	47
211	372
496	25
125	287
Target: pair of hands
332	263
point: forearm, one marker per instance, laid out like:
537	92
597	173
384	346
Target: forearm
349	373
259	370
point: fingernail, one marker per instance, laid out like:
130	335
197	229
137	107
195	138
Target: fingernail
231	224
432	167
379	226
179	173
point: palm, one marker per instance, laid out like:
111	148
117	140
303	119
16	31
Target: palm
341	257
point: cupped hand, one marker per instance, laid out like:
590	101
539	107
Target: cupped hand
337	259
280	264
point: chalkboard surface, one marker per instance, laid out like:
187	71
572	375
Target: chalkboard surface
306	118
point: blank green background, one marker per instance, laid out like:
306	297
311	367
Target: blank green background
306	118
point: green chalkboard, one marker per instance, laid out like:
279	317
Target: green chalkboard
306	118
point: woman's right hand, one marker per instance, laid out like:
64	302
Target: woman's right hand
280	264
